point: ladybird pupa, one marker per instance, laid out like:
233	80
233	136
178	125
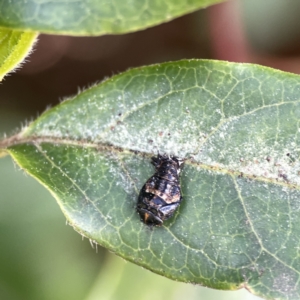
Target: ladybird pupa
161	194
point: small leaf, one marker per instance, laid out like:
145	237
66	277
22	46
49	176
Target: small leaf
237	126
93	17
14	47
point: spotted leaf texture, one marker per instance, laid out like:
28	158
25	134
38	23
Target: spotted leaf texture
237	126
93	17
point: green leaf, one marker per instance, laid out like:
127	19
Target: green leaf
14	47
93	17
237	126
35	241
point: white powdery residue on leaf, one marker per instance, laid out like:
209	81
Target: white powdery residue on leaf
251	160
266	164
178	143
285	282
280	169
174	139
222	135
121	178
243	146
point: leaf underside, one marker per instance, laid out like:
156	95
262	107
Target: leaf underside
237	127
93	17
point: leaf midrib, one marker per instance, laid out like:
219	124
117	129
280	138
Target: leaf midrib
17	140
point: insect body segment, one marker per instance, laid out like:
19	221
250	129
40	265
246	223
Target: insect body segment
161	195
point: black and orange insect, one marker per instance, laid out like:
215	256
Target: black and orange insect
161	195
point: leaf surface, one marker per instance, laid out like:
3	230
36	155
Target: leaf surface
14	47
237	126
93	17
